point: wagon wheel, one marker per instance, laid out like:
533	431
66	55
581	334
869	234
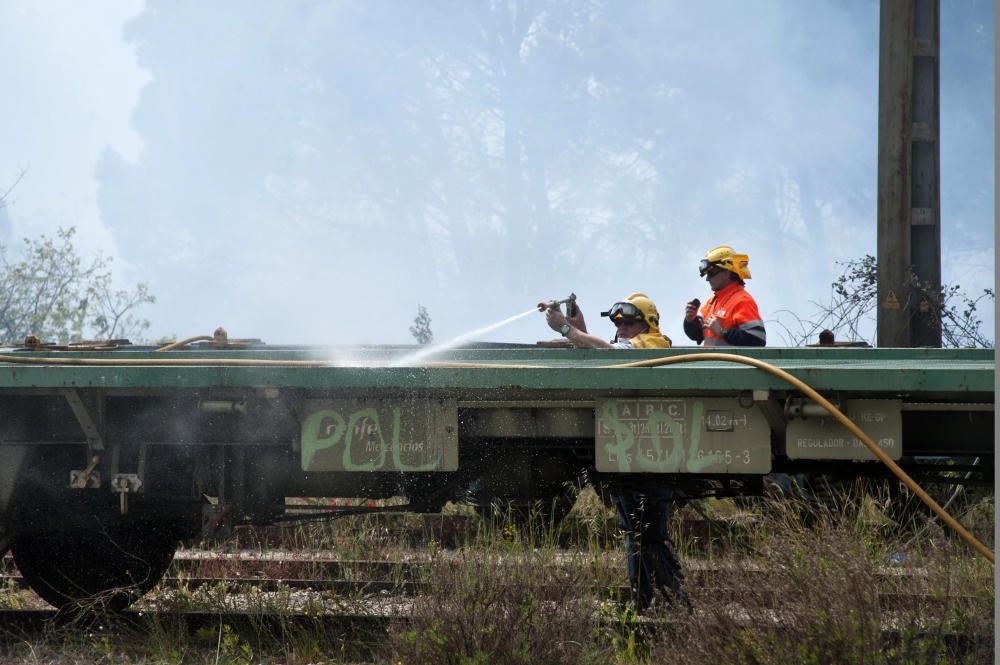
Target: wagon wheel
107	567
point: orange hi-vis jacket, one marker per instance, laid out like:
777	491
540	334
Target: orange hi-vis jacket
736	310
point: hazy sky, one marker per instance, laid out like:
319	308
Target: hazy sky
310	172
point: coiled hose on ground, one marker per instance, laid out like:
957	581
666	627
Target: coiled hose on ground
653	362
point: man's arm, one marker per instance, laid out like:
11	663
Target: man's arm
694	325
750	337
695	329
748	327
556	320
584	340
574	316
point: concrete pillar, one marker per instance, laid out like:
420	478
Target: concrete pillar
909	192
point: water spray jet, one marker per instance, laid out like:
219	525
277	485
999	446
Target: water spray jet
423	354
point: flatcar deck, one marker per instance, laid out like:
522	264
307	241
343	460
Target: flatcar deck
912	374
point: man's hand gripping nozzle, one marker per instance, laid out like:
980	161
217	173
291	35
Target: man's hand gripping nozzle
570	302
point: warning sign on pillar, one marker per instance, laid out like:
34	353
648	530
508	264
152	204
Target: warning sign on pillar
891	301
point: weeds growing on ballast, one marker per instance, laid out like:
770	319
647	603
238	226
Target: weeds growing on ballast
771	582
836	586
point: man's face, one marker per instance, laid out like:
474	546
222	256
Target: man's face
718	278
629	328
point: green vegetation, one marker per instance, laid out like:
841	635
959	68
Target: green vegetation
421	328
771	582
851	312
48	290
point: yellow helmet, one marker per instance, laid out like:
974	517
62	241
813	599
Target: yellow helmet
637	306
724	257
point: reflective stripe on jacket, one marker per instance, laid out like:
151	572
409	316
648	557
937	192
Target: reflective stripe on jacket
735	309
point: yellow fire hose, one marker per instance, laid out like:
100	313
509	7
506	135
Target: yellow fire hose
163	362
654	362
184	342
844	420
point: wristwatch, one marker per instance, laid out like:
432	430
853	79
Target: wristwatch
565	329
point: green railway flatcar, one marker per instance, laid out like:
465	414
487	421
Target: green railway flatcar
112	457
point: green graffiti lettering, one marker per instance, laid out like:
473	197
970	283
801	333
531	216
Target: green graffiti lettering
664	463
624	438
670	449
370	414
317	434
397	458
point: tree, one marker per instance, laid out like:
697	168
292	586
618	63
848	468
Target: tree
421	328
960	324
52	292
851	312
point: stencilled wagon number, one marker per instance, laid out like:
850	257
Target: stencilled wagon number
723	421
686	435
666	450
727	456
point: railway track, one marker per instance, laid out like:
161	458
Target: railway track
363	625
359	603
356	591
417	530
349	580
274	587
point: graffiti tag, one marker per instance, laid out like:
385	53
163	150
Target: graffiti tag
680	435
362	439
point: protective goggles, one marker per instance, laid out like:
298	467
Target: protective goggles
705	266
624	311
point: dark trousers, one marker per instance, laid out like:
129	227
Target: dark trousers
652	562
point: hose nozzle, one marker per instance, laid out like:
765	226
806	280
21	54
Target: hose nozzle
554	304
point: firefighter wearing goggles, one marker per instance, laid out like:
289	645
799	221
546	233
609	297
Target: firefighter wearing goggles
643	512
730	317
636	320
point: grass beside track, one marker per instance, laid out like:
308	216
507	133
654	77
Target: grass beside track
774	582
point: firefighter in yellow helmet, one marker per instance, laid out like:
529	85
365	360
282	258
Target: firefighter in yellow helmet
643	507
636	320
730	317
